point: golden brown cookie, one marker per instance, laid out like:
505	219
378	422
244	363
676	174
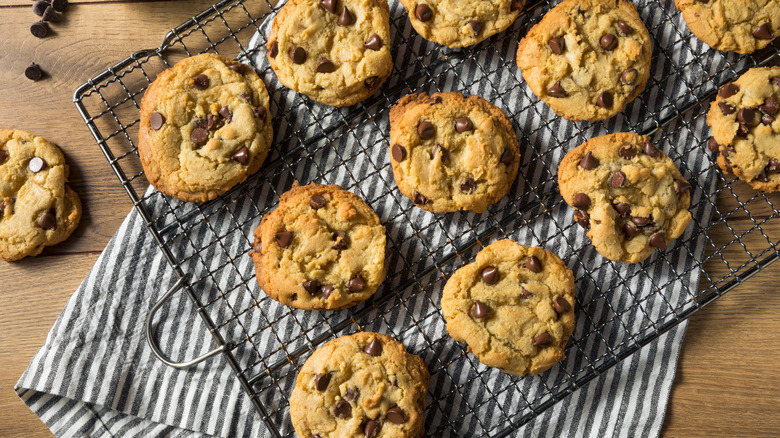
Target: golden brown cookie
322	248
628	194
587	59
514	307
37	207
205	126
450	152
337	52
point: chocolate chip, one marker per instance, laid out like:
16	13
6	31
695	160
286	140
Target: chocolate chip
682	185
3	156
298	55
589	162
325	66
533	264
283	238
49	14
438	149
274	49
340	237
33	72
395	415
311	286
156	121
770	106
506	157
329	5
543	340
398	152
356	284
627	151
468	186
39	7
242	156
475	25
480	310
629	76
260	112
561	305
728	90
630	230
238	68
327	290
726	109
605	100
59	5
370	428
623	208
342	409
490	275
433	100
213	123
419	198
557	45
526	293
39	29
775	80
318	201
247	97
374	348
747	116
582	218
650	149
36	164
426	130
763	32
727	150
641	221
608	41
743	130
373	43
463	124
517	5
352	393
772	167
581	201
346	18
658	240
624	27
618	179
557	90
766	119
202	123
201	82
47	221
713	145
372	82
762	176
423	12
321	381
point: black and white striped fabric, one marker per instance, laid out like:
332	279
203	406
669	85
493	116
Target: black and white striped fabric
96	376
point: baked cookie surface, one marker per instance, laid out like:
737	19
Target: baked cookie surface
727	25
513	306
37	207
587	59
460	23
746	130
365	384
322	248
451	152
628	194
205	126
337	52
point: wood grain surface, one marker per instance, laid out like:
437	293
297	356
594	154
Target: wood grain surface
728	379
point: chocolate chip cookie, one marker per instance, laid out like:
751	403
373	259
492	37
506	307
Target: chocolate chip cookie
726	25
205	126
450	152
37	207
514	307
628	194
745	129
322	248
361	385
587	59
461	23
337	52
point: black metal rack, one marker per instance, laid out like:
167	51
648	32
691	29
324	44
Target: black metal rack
619	307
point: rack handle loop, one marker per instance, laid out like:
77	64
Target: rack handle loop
150	332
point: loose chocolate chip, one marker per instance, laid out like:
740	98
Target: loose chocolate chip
59	5
589	162
630	230
770	106
156	121
623	208
201	82
728	90
624	27
557	90
342	409
763	32
480	309
581	201
352	393
608	41
561	305
468	186
658	240
490	275
33	72
329	5
726	109
582	218
356	284
311	286
629	76
747	116
463	124
374	348
274	49
517	5
47	221
398	152
39	29
327	290
506	157
260	112
419	198
426	130
321	381
39	7
713	145
370	428
318	201
533	264
49	14
325	66
641	221
650	149
238	68
543	340
423	12
373	43
682	185
372	82
476	26
627	151
743	130
346	18
242	156
557	45
226	114
298	55
3	156
605	100
526	293
36	164
618	179
283	238
340	238
395	415
766	119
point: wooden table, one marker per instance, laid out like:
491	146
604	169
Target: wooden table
728	380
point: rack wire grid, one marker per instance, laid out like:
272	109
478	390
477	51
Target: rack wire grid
619	307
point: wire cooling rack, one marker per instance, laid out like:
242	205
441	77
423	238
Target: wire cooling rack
619	307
